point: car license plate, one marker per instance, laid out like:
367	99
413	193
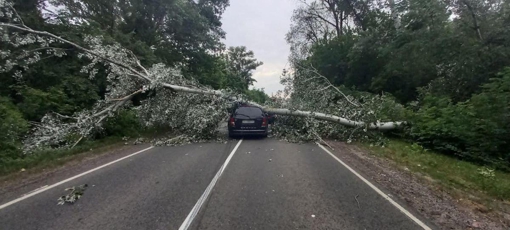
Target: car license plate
248	121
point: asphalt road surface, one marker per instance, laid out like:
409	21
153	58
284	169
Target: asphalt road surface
243	184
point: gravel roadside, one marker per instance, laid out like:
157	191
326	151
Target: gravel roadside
420	192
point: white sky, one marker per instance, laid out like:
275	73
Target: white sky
261	25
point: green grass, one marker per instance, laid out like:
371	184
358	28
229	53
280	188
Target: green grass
449	172
55	157
12	163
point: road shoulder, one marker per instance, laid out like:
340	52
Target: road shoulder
416	191
13	185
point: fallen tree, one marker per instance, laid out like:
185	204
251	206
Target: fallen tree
127	77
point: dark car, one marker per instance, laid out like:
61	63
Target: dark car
247	120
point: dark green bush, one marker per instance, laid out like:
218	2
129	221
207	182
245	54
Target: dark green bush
477	129
12	128
123	124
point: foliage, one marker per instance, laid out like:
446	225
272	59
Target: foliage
436	45
48	157
76	192
151	89
191	114
307	90
439	58
241	63
12	128
68	90
124	124
257	95
477	129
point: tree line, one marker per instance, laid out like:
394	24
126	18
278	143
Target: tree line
447	61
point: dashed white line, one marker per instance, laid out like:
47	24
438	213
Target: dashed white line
402	209
35	192
189	219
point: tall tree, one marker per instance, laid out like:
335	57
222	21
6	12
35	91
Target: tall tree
241	63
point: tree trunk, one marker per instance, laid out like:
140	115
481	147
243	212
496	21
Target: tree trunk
475	21
336	119
288	112
342	21
337	24
394	16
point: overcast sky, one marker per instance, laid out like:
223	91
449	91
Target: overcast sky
261	25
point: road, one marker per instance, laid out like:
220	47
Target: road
263	184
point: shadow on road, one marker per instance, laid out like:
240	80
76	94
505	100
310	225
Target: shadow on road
249	138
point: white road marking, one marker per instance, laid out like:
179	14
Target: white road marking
189	219
35	192
403	210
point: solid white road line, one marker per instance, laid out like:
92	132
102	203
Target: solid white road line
189	219
35	190
68	179
403	210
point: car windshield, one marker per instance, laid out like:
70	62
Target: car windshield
250	112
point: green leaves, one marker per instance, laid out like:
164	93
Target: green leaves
477	129
12	128
240	64
257	95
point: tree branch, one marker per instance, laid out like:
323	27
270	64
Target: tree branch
128	96
320	139
475	21
112	108
45	33
357	16
64	116
18	17
329	84
322	18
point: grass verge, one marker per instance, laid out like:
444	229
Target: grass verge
56	157
487	184
51	158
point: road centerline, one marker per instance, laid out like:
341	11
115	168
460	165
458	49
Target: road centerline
193	213
372	186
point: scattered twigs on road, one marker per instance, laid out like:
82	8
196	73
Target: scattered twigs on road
356	197
75	193
322	141
171	141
